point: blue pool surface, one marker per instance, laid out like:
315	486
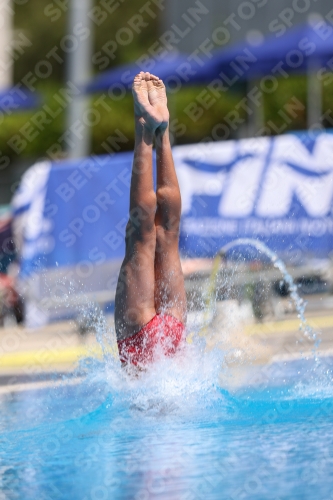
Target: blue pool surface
173	434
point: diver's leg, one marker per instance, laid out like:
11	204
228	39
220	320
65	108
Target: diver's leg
170	296
134	302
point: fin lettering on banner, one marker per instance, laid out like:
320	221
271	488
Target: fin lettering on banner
262	184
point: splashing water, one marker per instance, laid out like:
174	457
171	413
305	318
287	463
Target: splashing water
172	432
300	304
194	371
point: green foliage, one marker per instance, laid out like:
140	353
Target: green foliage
119	117
43	34
200	123
186	130
277	116
44	25
21	137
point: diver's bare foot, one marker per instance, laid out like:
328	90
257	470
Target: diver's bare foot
147	114
158	99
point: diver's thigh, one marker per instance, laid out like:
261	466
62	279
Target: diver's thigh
134	301
170	295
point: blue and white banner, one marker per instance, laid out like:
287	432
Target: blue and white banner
70	217
278	190
72	212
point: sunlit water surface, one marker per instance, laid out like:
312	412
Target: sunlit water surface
174	433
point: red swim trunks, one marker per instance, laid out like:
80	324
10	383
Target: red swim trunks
162	334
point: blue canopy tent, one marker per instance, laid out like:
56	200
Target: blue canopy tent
295	48
304	48
16	98
173	69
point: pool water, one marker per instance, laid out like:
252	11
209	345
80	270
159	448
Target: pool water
172	433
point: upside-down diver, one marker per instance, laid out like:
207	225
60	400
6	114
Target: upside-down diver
150	303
